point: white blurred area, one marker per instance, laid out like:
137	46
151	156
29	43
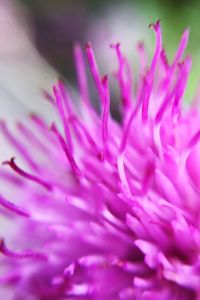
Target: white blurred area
124	24
23	73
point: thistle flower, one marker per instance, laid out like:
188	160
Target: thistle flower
104	209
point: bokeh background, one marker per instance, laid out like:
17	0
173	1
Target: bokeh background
37	38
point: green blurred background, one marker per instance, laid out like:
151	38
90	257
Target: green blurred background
57	24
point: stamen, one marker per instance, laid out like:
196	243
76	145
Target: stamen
63	117
158	49
142	57
87	135
27	254
122	173
48	97
177	91
184	72
131	118
81	74
181	48
13	207
28	176
28	134
125	85
65	97
68	153
95	71
17	145
150	75
106	109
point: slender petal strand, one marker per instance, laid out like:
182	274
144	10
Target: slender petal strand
106	209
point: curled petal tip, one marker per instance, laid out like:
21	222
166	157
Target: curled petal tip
88	45
155	25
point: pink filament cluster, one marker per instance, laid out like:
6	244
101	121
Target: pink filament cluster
104	209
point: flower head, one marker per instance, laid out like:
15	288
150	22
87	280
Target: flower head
106	209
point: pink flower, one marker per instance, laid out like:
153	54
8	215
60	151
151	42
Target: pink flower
103	209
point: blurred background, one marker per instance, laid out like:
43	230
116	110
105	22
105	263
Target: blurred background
37	38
